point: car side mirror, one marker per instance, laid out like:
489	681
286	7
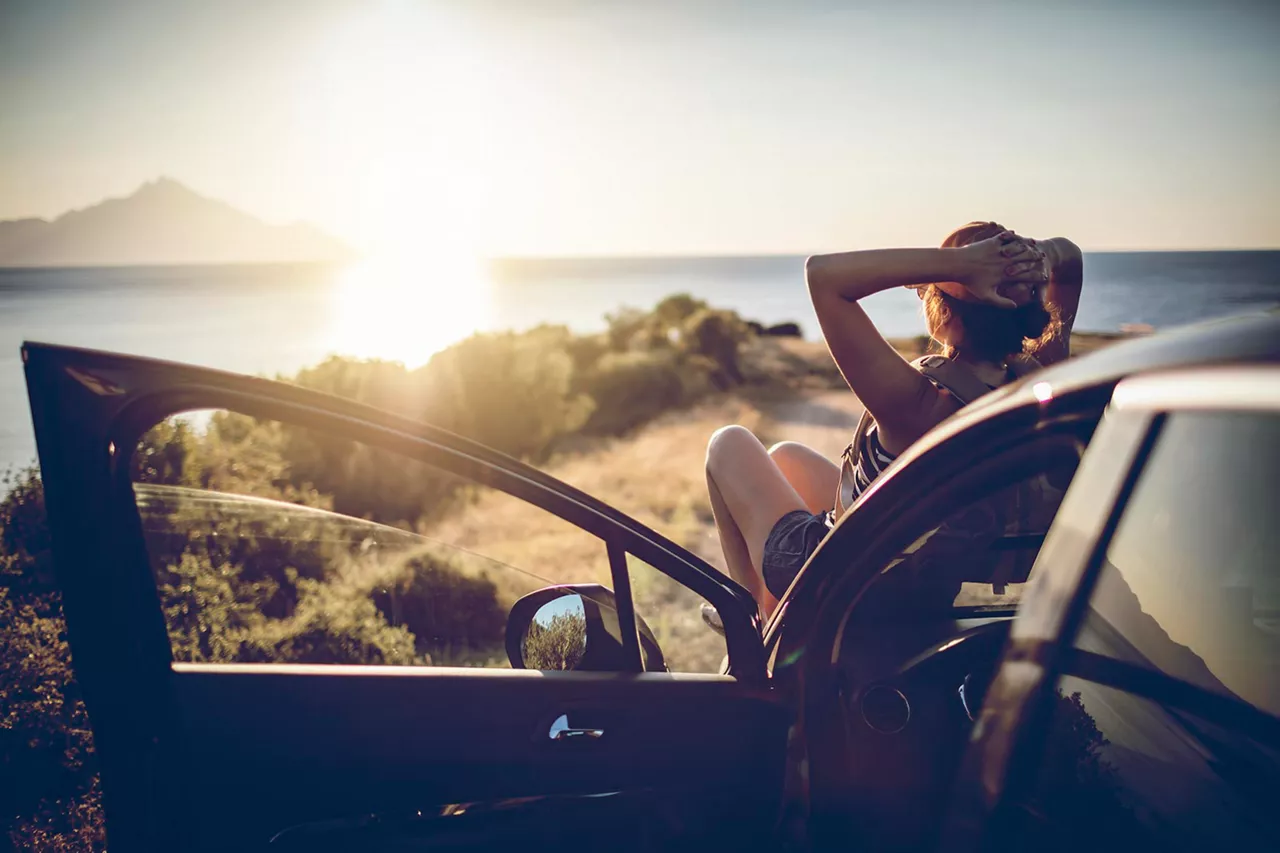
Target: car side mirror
574	627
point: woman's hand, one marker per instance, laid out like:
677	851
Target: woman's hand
1003	259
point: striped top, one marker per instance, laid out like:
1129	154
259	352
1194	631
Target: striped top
872	459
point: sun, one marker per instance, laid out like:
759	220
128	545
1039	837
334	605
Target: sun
406	308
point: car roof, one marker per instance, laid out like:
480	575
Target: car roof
1239	339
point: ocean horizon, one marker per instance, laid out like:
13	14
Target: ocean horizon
274	319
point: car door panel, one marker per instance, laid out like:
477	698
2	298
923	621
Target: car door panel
272	739
209	756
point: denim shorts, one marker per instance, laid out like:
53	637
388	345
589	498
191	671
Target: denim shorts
792	540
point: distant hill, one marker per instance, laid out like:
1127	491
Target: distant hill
163	222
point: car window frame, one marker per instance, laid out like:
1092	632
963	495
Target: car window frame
1006	758
1161	398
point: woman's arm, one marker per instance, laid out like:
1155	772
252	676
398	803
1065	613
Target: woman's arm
904	403
1066	277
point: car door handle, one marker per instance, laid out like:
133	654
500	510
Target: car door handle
560	730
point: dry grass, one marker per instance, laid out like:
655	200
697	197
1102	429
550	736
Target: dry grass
655	476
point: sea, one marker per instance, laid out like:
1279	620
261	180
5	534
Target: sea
275	319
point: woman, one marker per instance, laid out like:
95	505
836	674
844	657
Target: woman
998	304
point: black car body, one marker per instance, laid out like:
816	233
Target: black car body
893	701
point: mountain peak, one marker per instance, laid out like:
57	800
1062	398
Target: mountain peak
162	222
164	183
163	190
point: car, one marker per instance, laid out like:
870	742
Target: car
1051	623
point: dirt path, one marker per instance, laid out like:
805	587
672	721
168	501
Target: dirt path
823	420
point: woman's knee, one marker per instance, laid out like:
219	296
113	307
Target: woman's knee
796	459
785	450
728	444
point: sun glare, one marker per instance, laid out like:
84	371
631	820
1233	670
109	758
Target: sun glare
388	113
406	308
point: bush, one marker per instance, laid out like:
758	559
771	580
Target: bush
382	384
585	351
45	742
48	786
331	625
367	482
508	391
718	335
26	561
672	311
627	326
208	608
447	610
631	388
256	554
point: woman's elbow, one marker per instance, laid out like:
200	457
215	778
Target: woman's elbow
812	264
815	272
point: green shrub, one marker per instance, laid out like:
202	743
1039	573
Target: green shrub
208	608
631	388
718	335
330	625
508	391
382	384
627	329
26	561
48	784
367	482
260	547
700	376
585	350
45	742
164	452
674	310
446	609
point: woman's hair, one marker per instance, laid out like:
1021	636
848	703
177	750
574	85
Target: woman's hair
983	331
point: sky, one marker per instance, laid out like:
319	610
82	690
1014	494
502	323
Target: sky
682	127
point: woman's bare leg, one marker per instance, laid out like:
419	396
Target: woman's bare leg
749	493
737	556
814	477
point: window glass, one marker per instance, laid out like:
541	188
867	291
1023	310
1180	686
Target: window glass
274	543
1120	772
1191	586
681	620
981	554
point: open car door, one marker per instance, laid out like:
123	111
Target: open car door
288	615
